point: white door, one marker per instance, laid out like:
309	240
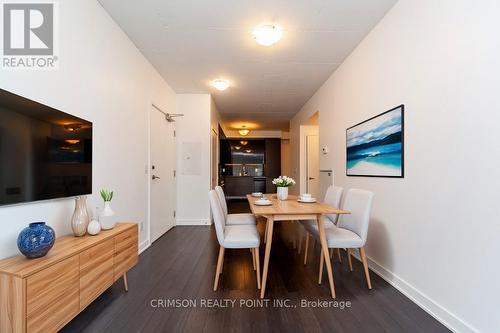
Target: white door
162	177
312	155
215	158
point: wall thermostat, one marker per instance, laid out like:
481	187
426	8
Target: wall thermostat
324	149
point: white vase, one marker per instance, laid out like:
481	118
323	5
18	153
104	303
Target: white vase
94	227
106	218
80	219
282	193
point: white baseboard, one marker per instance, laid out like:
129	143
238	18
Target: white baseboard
184	222
144	245
442	315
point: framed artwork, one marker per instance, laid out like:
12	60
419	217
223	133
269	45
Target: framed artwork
375	147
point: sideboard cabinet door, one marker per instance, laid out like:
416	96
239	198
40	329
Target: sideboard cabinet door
52	296
96	271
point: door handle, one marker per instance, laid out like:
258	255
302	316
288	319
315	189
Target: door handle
311	178
155	177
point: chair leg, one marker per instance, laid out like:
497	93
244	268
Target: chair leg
257	260
219	267
253	259
362	254
321	259
338	255
306	248
349	259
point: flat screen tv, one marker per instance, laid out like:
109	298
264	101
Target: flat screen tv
44	153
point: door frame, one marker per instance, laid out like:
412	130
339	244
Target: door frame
214	154
147	243
304	131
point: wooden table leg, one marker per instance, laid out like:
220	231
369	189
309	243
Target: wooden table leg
125	281
324	248
269	238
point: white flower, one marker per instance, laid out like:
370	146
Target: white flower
283	181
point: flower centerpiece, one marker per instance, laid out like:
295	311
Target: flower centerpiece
283	183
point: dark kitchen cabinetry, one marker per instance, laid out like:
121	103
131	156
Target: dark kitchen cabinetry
249	165
272	168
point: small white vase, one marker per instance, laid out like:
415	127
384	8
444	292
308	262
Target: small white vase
94	227
106	218
282	193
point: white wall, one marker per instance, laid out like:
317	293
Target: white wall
192	190
435	233
102	77
286	167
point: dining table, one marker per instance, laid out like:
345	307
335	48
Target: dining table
293	210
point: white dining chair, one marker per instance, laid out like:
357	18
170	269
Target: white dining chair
243	236
233	219
352	229
332	197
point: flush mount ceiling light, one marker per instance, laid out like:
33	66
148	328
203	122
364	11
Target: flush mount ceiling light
267	34
244	143
243	131
248	150
220	84
237	147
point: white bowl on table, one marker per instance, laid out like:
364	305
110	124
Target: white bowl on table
263	202
306	197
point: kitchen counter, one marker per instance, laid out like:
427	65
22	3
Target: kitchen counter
237	187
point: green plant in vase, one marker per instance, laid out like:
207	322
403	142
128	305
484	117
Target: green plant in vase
106	217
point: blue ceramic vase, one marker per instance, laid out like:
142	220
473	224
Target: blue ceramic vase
36	240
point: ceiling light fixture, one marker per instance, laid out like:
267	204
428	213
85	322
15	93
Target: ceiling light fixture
244	131
221	84
248	150
237	147
267	34
244	143
72	127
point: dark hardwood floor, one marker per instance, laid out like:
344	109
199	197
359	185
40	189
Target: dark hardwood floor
180	267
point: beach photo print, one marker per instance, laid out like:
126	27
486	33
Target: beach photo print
375	147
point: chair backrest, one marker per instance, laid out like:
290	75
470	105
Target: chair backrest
222	199
218	215
332	197
359	204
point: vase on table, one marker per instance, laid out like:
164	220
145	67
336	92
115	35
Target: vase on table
80	219
106	217
282	192
94	228
36	240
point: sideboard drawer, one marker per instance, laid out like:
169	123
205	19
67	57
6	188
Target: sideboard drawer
52	296
125	240
126	252
96	271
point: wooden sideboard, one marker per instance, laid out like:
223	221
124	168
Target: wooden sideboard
44	294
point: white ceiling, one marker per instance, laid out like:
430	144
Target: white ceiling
193	42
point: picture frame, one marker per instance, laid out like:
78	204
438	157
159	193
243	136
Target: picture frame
375	147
